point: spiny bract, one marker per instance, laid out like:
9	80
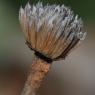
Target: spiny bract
52	30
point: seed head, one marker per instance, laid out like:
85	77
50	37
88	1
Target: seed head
52	30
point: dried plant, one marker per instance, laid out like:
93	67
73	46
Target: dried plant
51	31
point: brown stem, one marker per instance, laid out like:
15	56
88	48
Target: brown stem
38	70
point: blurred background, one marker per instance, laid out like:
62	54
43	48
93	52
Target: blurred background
73	76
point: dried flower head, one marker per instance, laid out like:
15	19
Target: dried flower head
52	30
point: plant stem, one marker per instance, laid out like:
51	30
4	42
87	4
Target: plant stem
38	70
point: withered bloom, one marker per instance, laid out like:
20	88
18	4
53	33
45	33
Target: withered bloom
52	31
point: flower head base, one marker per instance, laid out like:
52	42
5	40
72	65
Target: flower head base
51	30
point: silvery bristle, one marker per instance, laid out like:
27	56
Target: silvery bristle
52	30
